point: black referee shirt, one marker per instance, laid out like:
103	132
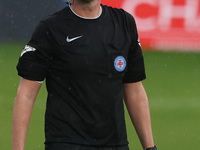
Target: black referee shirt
85	63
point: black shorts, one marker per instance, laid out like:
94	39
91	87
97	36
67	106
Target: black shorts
66	146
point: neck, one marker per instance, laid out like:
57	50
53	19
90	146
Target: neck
86	10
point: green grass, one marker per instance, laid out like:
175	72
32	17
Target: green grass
172	86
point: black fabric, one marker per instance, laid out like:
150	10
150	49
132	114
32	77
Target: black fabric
77	58
66	146
34	65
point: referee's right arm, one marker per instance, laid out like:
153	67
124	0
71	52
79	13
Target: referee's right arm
24	101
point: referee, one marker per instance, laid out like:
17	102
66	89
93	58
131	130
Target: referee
90	57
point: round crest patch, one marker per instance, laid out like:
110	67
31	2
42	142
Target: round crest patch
120	63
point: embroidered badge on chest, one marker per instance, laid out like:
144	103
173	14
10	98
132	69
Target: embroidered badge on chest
120	63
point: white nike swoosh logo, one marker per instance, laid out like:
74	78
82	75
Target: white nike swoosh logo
72	39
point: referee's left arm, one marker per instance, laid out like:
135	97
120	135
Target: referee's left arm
138	107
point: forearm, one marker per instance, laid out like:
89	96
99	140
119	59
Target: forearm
21	118
138	108
23	105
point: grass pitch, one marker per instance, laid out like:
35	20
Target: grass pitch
172	86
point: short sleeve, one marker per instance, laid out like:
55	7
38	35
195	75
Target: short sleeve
135	62
35	58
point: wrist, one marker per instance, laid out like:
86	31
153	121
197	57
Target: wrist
151	148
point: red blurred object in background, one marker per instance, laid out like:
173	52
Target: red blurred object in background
165	24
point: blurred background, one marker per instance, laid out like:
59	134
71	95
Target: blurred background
169	32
